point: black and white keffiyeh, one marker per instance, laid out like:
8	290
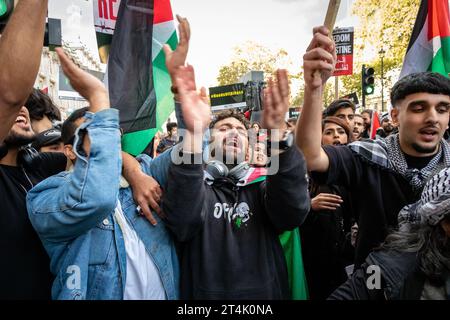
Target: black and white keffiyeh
434	203
387	154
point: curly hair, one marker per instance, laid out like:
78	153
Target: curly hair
431	244
230	113
40	104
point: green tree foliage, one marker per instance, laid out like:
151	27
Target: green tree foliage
387	24
252	56
328	95
384	24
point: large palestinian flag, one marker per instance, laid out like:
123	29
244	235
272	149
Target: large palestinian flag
137	78
429	47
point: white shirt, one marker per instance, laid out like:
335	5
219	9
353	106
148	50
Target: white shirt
143	281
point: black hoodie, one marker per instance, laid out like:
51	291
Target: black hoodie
229	235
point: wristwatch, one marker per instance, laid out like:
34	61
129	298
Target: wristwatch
285	143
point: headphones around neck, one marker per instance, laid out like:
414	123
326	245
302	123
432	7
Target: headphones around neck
217	169
27	156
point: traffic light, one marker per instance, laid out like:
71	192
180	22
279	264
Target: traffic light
6	7
368	80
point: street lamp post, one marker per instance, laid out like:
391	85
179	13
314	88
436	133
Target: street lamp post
382	52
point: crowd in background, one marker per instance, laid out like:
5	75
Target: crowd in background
199	214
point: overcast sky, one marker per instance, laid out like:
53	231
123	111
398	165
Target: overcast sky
218	26
77	21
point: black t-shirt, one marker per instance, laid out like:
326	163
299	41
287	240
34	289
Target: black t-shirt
378	195
418	162
24	264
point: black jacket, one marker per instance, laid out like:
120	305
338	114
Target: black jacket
400	278
326	244
229	235
378	195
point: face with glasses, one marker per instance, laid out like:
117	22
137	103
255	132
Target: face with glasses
229	141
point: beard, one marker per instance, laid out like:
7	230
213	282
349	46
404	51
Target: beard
424	150
15	139
388	129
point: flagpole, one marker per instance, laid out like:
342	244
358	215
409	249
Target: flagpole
336	87
330	20
382	52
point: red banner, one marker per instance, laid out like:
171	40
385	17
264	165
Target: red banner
343	37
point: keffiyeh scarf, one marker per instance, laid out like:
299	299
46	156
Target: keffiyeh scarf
387	153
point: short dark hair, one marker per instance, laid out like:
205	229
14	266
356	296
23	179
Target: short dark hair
341	123
426	82
336	105
368	111
69	127
40	104
230	113
171	125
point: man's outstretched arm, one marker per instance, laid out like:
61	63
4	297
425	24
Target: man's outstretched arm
285	194
320	57
20	56
185	197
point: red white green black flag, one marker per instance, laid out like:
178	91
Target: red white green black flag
138	81
429	47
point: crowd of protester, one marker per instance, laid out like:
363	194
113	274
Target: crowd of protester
201	214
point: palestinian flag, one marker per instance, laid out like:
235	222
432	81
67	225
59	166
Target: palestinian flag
375	125
292	248
429	47
137	78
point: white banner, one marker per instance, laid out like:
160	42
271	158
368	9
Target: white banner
105	15
76	23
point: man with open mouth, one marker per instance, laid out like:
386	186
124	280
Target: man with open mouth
383	175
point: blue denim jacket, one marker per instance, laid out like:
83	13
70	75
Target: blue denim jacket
73	214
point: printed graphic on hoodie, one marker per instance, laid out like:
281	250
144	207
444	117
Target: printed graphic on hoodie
237	214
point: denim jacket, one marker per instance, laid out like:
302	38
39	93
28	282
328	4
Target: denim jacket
73	213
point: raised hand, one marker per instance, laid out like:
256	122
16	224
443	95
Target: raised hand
276	102
326	201
194	104
320	56
177	58
88	86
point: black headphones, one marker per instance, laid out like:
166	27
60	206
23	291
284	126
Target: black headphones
217	169
27	156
